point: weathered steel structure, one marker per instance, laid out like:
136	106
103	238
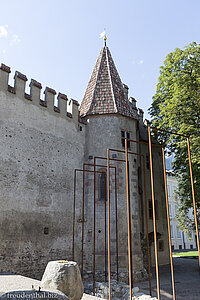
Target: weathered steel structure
109	214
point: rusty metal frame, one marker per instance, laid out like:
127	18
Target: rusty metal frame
166	197
94	242
149	143
168	226
128	217
74	207
154	218
83	217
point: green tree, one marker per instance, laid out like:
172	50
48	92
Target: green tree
176	107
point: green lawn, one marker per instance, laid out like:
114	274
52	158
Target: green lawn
182	254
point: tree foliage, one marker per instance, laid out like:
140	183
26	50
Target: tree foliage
176	107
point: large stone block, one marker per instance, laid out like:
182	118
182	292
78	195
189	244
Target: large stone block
65	277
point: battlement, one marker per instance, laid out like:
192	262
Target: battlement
60	106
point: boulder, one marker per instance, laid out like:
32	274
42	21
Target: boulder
65	277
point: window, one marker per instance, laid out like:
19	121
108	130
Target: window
178	232
172	231
168	191
161	245
151	209
170	210
191	246
102	187
180	247
172	247
125	135
176	209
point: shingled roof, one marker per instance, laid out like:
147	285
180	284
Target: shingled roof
105	93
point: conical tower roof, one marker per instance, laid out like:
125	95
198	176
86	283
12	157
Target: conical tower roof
105	93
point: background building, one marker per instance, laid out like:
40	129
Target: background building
180	240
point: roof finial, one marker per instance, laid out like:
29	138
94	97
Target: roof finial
103	34
105	38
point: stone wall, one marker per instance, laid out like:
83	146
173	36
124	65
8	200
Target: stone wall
39	149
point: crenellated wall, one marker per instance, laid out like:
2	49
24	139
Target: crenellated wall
61	106
40	146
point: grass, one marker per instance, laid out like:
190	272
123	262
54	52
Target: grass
185	254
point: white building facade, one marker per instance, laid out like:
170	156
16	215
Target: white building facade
180	240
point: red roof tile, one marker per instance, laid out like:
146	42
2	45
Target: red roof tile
105	93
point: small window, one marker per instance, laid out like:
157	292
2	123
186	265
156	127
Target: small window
161	245
102	187
191	246
125	135
169	191
170	210
180	247
178	232
172	231
151	210
172	247
176	209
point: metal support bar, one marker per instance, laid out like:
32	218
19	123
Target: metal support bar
193	198
168	224
147	227
116	224
128	220
94	234
108	205
122	160
105	237
74	212
154	215
83	216
105	166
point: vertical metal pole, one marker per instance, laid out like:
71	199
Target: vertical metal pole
116	224
94	227
168	224
74	214
193	198
147	227
108	195
128	219
105	233
154	214
83	216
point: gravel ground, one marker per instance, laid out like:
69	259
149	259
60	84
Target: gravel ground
187	280
186	272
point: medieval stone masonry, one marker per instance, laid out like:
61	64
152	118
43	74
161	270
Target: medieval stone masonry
43	140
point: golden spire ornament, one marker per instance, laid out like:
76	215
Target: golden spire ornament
103	35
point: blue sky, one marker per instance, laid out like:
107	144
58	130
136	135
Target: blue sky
57	42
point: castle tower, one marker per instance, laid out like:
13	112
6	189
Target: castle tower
105	93
111	118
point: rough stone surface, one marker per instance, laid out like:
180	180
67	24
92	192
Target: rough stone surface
10	283
65	277
119	290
